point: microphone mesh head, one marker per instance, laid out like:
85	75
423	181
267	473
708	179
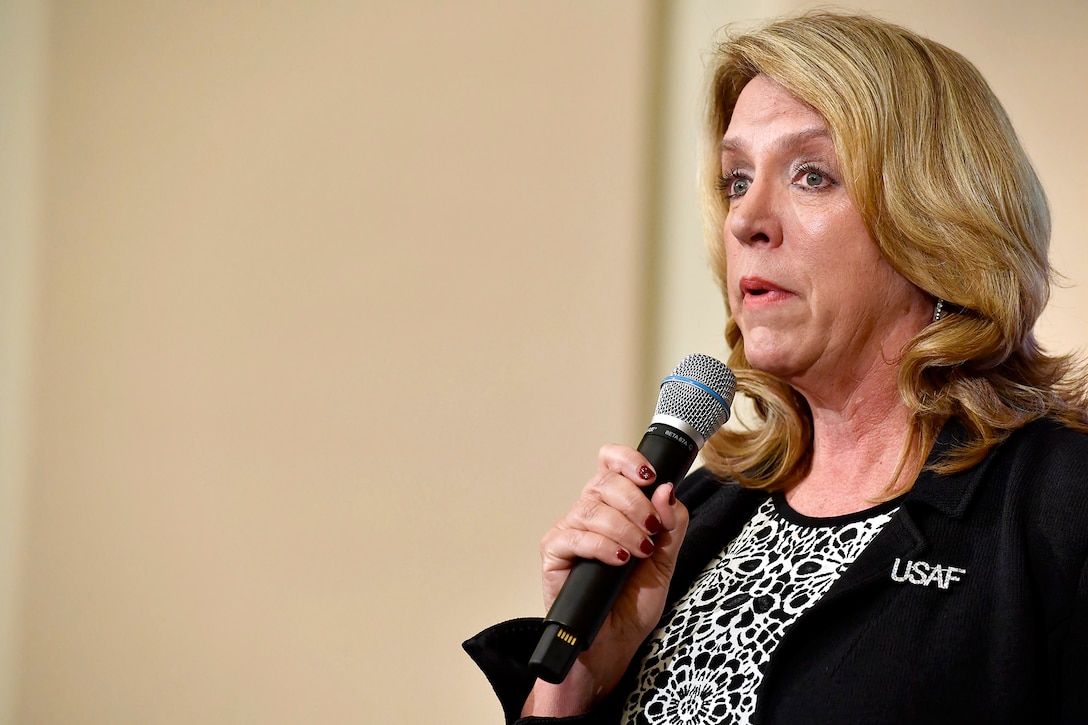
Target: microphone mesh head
699	392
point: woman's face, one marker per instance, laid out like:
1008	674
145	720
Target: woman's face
808	288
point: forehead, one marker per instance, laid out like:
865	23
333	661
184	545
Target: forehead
767	112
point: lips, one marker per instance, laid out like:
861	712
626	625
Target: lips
756	286
758	290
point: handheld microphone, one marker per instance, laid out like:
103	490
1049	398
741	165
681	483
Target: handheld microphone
693	403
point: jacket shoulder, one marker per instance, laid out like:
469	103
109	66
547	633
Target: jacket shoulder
1045	466
1049	457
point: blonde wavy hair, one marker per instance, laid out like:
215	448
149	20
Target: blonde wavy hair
948	195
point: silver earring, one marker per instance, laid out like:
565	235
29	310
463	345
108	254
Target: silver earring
938	309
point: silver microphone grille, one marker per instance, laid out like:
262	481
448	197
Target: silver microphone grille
699	392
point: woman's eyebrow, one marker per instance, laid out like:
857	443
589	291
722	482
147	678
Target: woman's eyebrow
790	140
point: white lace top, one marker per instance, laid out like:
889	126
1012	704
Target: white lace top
706	662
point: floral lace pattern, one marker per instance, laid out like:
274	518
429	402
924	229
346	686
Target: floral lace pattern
706	662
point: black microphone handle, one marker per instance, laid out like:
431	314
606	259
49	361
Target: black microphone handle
592	587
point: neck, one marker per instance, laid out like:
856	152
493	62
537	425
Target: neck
859	434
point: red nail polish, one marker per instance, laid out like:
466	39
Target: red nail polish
672	496
652	525
645	473
622	555
647	547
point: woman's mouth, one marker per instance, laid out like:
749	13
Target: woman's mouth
755	290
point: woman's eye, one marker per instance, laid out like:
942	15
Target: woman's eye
733	186
813	179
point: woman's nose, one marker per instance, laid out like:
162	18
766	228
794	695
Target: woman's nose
754	217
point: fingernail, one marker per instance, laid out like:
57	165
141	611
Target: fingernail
652	525
647	547
622	555
672	495
645	473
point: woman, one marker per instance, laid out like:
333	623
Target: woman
909	537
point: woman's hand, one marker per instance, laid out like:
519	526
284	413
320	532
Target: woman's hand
612	521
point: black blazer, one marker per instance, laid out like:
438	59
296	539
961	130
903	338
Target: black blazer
971	605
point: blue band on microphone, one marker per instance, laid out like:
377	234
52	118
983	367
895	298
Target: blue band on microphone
696	383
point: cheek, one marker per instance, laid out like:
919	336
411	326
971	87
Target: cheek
732	271
732	306
841	257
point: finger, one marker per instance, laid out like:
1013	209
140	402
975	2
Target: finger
606	519
627	462
669	511
620	493
561	548
675	518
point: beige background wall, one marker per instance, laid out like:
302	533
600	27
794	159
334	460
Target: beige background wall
316	313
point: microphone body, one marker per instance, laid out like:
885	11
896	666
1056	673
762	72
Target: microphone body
694	402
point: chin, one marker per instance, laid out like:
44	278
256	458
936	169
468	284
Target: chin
778	355
773	363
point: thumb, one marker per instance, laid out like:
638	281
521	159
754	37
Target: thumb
674	527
